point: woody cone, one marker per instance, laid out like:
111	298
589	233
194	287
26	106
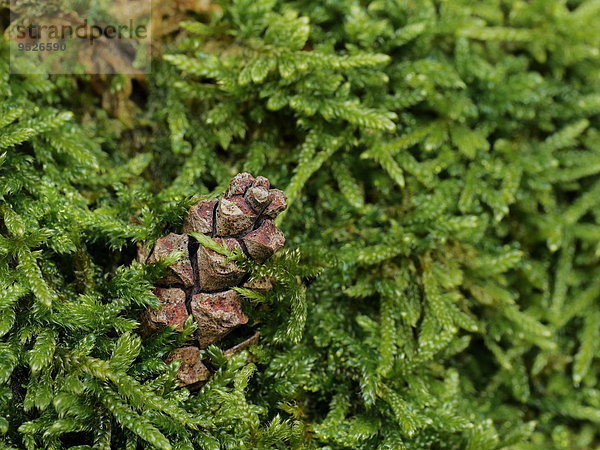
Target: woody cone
201	282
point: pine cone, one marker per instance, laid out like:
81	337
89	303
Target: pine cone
200	283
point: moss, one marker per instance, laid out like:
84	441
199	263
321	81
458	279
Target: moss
441	164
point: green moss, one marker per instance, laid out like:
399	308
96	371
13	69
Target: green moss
441	161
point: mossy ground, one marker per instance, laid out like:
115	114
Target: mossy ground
440	287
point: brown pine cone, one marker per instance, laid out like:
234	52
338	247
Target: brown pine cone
200	283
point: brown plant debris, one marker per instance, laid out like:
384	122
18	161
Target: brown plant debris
201	282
